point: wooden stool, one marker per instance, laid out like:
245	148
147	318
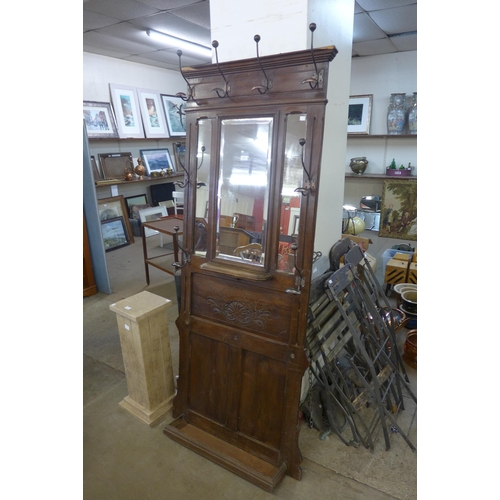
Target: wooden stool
143	328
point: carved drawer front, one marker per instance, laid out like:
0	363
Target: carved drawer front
242	306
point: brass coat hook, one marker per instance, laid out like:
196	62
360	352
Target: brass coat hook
310	184
227	88
182	95
186	257
317	77
299	279
261	88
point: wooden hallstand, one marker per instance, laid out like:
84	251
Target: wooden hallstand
254	140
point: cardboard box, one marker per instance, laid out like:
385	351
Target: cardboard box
365	242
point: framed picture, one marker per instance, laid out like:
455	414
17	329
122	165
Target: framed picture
114	165
112	208
127	111
152	113
138	199
156	159
114	234
180	155
360	110
174	108
398	215
99	120
151	214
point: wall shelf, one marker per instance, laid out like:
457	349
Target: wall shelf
383	136
112	182
380	176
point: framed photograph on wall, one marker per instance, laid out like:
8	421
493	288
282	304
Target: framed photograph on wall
153	117
114	234
156	159
174	108
398	215
360	110
151	214
127	111
113	207
99	120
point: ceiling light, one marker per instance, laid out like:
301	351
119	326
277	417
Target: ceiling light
179	43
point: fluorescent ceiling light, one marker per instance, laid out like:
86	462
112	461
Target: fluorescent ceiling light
179	43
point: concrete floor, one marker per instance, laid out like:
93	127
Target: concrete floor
125	459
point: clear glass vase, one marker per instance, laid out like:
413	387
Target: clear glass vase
412	115
396	114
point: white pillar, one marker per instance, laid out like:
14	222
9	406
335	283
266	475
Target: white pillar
283	26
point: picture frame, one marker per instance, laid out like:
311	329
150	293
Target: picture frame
398	214
138	199
153	116
95	169
112	208
114	165
151	214
114	234
99	120
174	109
127	111
156	159
180	155
359	115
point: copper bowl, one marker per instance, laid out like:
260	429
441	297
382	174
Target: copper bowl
410	349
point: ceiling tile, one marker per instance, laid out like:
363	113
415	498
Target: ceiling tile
198	14
366	29
113	43
374	47
171	4
405	43
383	4
120	9
397	20
92	20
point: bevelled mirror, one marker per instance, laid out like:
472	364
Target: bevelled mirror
243	189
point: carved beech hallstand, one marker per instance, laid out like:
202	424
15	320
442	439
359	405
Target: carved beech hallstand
242	322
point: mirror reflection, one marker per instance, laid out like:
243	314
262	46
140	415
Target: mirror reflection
243	190
291	200
202	186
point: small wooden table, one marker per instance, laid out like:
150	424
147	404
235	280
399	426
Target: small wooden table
165	225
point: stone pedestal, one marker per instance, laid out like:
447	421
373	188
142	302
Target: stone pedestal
143	327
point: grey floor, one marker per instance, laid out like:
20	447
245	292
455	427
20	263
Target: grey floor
125	459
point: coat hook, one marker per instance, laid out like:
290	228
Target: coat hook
227	89
317	77
186	257
202	156
186	175
182	95
310	184
299	280
261	88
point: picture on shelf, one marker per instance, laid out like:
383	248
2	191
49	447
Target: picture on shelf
174	108
152	214
99	120
114	234
127	111
112	208
114	165
153	117
139	199
398	215
360	109
156	160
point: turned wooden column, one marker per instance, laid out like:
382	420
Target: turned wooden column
143	327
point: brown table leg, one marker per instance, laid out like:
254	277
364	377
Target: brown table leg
145	252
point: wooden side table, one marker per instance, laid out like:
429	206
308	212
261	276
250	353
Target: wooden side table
143	328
